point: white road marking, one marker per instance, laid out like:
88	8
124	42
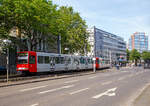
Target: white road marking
71	81
28	89
52	90
107	93
78	91
34	104
106	83
122	78
92	77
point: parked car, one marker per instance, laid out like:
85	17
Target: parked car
2	70
147	64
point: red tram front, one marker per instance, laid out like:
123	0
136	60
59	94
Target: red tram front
27	61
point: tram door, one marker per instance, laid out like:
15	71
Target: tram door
52	63
66	63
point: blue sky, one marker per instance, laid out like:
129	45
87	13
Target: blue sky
120	17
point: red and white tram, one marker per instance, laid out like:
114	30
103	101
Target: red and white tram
30	61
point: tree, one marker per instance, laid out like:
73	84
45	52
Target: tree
135	56
72	29
128	54
146	55
39	19
32	18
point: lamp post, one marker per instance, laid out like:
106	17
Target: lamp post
94	52
67	49
7	42
110	58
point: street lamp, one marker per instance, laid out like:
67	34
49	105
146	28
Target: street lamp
7	42
67	49
94	52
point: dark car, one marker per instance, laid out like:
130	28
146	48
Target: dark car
147	64
2	70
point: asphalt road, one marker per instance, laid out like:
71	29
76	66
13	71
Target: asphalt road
117	88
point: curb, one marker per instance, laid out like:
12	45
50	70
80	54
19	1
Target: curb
52	78
45	79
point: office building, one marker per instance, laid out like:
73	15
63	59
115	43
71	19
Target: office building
106	45
138	41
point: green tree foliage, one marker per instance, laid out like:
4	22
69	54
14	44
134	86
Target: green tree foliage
146	55
36	19
135	56
128	54
31	17
72	29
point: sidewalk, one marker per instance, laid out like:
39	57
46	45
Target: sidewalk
144	98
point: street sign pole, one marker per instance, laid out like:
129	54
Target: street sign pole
94	51
94	65
7	65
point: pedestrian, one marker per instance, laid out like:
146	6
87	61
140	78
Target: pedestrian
117	66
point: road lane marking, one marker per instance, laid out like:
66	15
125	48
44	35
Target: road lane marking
28	89
52	90
78	91
92	77
71	81
122	78
107	93
106	83
34	104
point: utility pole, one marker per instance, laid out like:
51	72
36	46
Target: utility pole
110	58
7	42
59	44
94	51
7	64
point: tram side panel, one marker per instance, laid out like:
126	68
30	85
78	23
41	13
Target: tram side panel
43	64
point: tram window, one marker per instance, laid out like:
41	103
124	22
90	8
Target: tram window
51	59
46	58
69	60
62	60
89	61
22	54
57	60
81	60
40	59
22	61
32	60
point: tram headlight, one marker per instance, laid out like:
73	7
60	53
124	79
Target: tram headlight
23	68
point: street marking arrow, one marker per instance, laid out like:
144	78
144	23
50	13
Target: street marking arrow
107	93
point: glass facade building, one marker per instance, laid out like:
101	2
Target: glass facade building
106	45
138	41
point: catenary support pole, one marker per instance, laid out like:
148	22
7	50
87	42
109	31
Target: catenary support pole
7	65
